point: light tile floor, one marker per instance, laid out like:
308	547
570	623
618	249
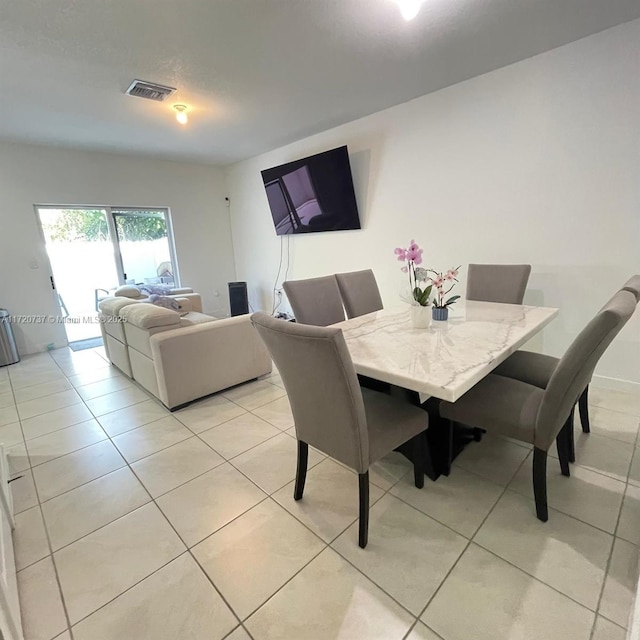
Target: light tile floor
135	523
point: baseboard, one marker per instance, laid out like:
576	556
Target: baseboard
616	384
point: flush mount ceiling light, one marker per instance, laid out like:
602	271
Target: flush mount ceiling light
409	8
181	113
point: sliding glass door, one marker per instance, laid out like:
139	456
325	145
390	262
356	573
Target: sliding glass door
93	250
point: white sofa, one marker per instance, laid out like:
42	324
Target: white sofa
181	358
111	325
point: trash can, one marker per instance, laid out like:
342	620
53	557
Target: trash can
8	349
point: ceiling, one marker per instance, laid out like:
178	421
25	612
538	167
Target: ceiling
256	74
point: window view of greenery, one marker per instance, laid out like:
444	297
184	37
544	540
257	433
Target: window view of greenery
90	225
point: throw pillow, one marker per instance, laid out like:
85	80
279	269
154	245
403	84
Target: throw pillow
128	291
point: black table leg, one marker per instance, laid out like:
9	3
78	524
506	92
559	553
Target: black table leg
445	439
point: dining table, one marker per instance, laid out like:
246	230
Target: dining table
442	361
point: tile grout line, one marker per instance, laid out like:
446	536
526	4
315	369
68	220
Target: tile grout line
525	495
613	544
388	492
470	541
51	554
46	528
111	522
605	573
270	496
267	497
152	500
327	545
348	526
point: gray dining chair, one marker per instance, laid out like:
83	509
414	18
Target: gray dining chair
540	416
332	413
315	301
497	282
360	293
537	368
633	285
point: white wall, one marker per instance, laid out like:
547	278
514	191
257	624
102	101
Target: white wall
32	175
536	162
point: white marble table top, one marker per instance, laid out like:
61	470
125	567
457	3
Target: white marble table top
448	358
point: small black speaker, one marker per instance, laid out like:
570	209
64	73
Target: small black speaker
238	299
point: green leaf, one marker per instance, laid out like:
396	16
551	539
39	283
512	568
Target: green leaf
451	300
417	292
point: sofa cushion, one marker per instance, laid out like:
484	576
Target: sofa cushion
193	318
149	316
128	291
112	306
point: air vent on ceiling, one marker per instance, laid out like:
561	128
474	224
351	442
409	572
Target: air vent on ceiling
149	90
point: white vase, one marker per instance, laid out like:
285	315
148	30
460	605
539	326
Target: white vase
420	316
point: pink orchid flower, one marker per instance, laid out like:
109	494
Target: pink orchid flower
451	274
415	254
401	253
438	282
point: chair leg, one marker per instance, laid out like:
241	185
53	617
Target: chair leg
583	405
419	445
540	483
301	471
363	482
562	443
571	442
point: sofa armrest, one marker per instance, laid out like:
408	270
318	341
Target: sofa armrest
185	304
192	362
195	301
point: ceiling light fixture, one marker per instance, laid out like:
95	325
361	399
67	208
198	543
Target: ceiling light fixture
409	8
181	115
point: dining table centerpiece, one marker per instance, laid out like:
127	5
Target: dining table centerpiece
443	284
419	284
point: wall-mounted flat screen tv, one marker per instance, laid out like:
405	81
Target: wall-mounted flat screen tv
313	194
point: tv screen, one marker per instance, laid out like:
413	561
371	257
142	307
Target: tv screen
312	194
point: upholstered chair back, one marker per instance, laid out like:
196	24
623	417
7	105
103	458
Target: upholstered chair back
315	301
497	282
322	386
576	366
360	293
